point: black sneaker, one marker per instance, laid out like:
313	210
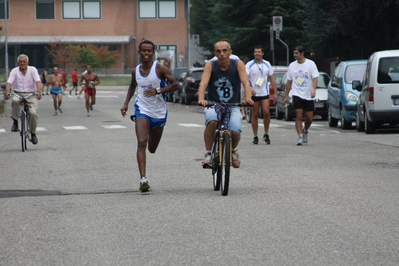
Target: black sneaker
34	139
255	141
14	128
144	186
266	138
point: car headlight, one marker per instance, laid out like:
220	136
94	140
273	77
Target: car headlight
351	97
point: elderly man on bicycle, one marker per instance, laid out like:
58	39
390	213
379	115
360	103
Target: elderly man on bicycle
223	79
24	80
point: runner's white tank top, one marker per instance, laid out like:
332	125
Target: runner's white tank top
154	106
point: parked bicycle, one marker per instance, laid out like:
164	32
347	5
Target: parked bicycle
24	117
222	150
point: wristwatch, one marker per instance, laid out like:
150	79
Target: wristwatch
158	90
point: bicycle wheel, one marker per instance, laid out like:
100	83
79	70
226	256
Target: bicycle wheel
225	165
22	131
216	173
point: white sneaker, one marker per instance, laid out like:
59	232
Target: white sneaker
55	113
207	160
305	136
300	141
236	159
88	114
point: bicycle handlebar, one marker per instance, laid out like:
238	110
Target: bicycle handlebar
22	97
228	104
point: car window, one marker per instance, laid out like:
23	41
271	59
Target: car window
278	77
354	72
196	74
388	70
178	71
337	78
322	81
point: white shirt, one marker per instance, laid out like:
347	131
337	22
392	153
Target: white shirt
258	74
21	83
302	76
154	106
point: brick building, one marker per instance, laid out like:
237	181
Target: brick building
120	24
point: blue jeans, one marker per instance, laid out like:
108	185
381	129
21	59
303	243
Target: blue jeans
235	122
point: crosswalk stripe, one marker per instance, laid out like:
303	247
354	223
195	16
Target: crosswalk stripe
113	126
75	128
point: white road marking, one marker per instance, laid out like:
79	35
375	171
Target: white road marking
113	126
75	127
2	130
190	125
40	129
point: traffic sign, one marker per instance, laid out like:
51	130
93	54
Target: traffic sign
277	23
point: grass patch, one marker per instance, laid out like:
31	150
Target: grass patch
115	80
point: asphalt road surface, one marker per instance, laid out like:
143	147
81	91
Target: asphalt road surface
73	199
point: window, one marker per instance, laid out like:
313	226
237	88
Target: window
2	9
153	9
90	9
45	10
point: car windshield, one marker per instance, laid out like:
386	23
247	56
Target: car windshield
196	75
322	81
178	71
354	72
278	77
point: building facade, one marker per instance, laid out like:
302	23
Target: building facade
121	24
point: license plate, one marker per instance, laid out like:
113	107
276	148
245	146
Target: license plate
396	101
319	105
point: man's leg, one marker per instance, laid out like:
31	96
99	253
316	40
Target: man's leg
32	101
59	102
142	133
55	105
254	121
87	104
15	108
298	120
154	139
266	119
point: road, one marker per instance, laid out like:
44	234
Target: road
73	199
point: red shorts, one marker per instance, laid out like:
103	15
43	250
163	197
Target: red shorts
90	91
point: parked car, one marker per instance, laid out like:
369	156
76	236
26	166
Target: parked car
189	88
176	73
378	102
341	97
287	110
278	73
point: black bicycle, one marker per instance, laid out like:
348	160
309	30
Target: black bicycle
222	150
24	117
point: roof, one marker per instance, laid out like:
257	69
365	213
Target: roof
68	39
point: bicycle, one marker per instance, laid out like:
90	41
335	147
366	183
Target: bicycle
24	117
221	153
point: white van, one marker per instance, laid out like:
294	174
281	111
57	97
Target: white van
378	102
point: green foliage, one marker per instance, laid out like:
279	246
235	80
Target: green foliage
329	28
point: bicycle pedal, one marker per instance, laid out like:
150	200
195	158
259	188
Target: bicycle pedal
207	166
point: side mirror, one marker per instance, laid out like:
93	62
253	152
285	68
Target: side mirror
335	84
356	85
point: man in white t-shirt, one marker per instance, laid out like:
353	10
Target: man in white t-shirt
259	71
302	80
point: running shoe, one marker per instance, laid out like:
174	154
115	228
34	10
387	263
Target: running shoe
305	136
300	141
59	109
55	113
79	96
266	138
144	186
256	140
88	114
207	162
236	160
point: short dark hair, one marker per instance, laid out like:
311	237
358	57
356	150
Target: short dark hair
258	47
300	49
147	42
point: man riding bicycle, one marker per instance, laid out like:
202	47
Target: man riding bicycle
223	79
24	80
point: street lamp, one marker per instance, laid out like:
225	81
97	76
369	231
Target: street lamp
6	35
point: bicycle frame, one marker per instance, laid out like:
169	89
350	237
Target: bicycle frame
24	119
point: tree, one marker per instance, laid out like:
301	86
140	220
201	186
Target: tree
104	57
59	53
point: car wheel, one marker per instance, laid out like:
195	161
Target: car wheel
359	123
344	124
170	97
248	114
279	115
288	116
369	127
332	122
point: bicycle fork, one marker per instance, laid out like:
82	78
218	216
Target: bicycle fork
224	134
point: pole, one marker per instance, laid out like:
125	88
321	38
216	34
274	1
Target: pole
6	35
287	51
